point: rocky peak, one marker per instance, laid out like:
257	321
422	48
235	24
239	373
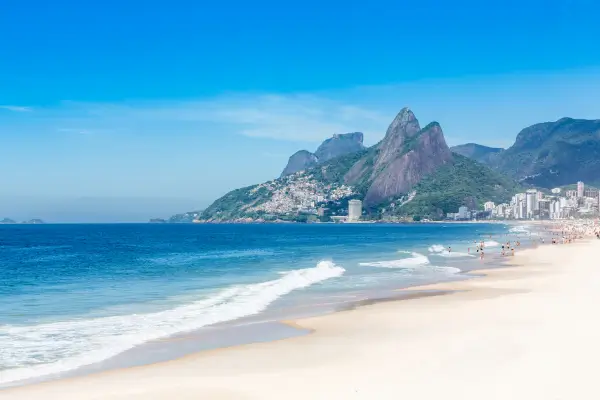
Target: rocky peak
299	161
404	126
397	163
339	145
417	155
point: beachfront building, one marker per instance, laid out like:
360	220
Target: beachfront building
544	208
531	203
463	213
539	205
354	210
521	209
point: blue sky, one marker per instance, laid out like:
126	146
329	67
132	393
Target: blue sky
126	110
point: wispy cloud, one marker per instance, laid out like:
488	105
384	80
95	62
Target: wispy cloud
16	108
295	118
468	109
304	118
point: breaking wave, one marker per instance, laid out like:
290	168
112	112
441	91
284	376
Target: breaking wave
36	350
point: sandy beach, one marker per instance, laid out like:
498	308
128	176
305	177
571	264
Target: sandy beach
527	331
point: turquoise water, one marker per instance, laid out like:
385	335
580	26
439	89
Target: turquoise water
74	295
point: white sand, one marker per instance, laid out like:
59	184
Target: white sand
529	332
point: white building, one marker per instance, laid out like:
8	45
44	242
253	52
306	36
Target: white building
354	210
463	212
531	203
521	210
489	206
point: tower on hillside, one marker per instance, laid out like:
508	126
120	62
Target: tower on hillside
354	210
580	188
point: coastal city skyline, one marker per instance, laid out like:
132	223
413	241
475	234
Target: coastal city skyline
580	202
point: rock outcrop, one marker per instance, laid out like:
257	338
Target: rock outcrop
406	154
299	161
339	145
336	146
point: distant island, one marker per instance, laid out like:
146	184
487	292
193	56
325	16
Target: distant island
9	221
183	218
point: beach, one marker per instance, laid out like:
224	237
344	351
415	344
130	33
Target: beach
526	331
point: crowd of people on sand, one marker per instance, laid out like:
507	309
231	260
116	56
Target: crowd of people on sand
562	232
568	232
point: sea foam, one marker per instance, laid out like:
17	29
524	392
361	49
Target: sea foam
439	250
415	260
37	350
436	248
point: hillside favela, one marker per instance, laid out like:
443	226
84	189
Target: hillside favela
299	201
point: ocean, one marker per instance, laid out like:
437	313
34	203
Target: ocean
75	295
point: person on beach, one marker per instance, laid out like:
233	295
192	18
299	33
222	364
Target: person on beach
481	256
502	249
513	251
449	249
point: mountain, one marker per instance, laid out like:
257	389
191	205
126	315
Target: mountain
410	172
477	152
336	146
552	154
405	155
7	221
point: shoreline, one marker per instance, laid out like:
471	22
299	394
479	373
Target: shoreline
284	328
455	292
